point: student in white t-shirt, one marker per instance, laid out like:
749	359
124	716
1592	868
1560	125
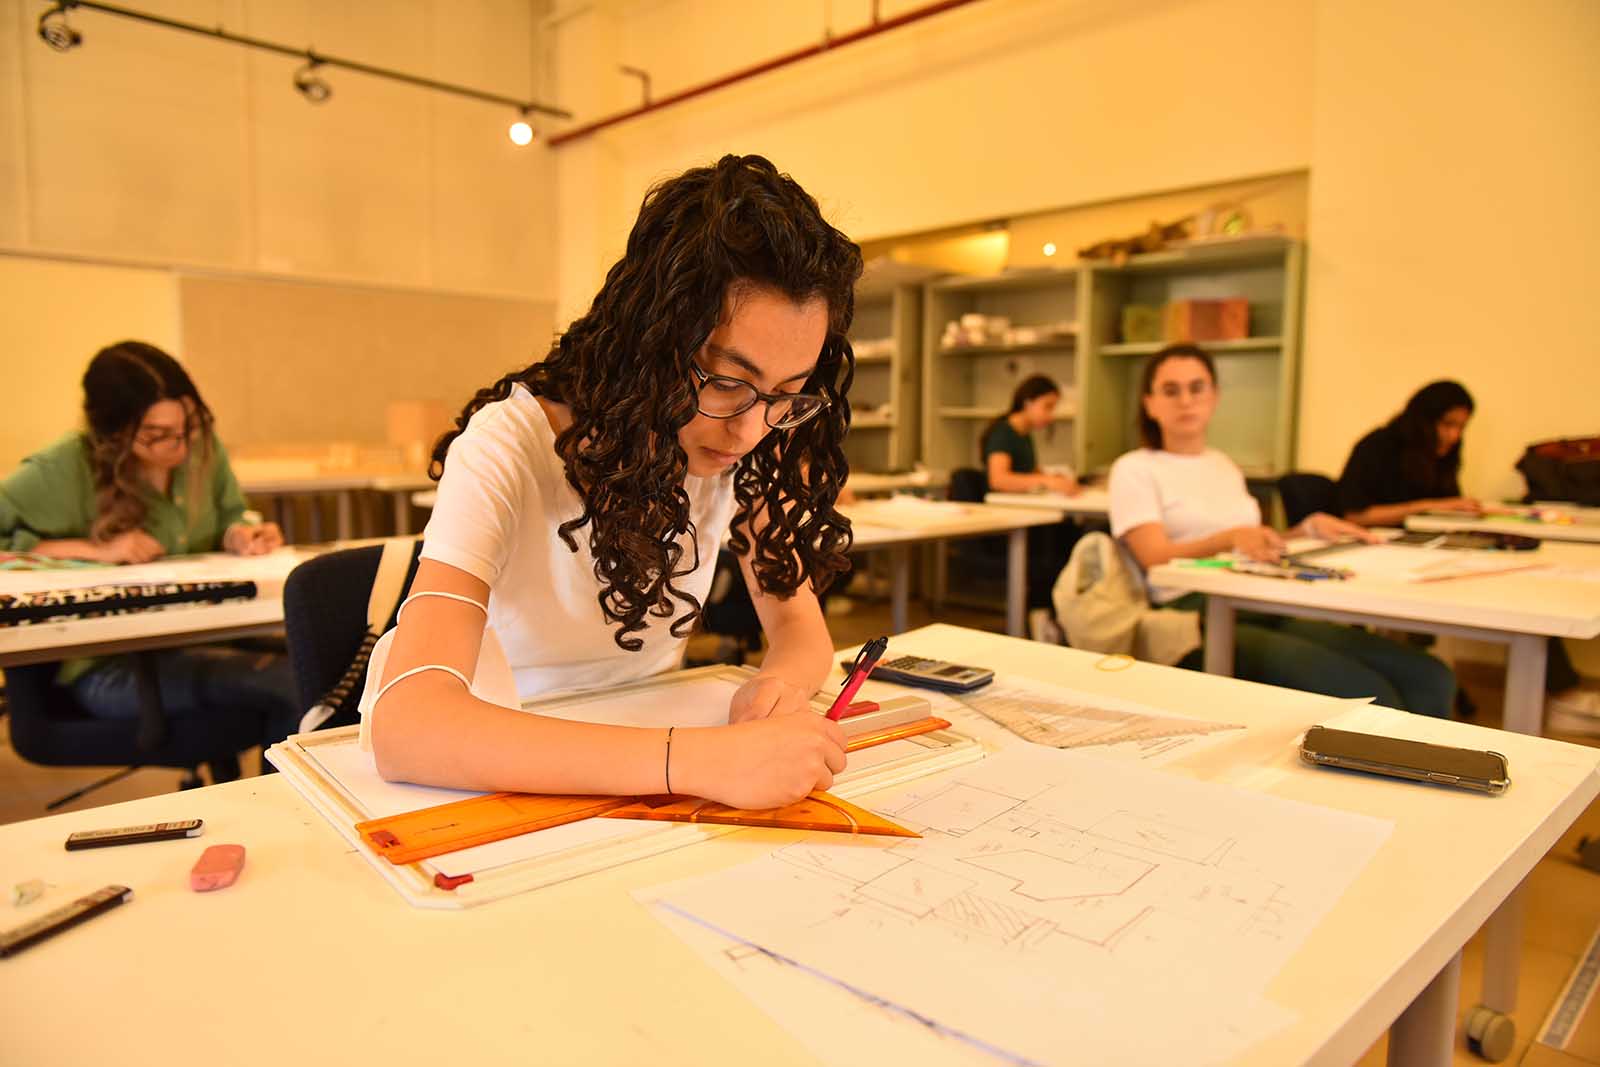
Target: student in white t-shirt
1179	498
582	501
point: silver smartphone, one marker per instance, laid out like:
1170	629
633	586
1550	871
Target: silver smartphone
1465	768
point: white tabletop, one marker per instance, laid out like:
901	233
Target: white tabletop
1584	527
1092	501
1543	600
901	520
312	957
868	483
161	628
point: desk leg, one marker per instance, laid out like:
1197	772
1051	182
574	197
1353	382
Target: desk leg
1490	1031
1220	619
346	506
1524	708
899	587
1425	1033
314	518
941	574
402	512
1016	582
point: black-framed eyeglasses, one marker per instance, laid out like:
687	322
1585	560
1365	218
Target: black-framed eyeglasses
722	397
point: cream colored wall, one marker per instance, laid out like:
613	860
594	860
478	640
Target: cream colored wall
988	111
57	315
1455	225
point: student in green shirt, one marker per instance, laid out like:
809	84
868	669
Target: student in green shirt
1011	466
147	478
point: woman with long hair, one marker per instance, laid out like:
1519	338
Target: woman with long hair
1178	498
146	478
582	500
1011	465
1412	464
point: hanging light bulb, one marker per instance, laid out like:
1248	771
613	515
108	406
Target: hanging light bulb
1049	248
521	133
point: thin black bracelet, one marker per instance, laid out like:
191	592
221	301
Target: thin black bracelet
668	772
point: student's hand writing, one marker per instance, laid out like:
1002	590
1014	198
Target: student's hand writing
1327	527
131	546
247	539
766	695
1258	542
763	763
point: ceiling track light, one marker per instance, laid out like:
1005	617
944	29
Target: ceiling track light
55	32
309	85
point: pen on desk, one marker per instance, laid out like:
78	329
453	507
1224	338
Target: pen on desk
866	659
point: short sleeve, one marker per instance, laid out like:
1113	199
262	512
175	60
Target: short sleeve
1135	495
482	492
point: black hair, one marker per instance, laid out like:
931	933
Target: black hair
623	369
1417	428
1030	388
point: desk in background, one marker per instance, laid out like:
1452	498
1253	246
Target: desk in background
405	985
259	478
1520	609
169	627
1584	527
897	525
1090	503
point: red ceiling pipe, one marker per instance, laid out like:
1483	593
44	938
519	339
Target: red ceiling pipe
558	139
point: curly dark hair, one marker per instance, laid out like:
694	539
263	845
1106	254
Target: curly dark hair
121	383
623	371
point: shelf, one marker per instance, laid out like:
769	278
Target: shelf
1216	348
1064	413
872	422
1056	345
1027	278
864	361
1250	250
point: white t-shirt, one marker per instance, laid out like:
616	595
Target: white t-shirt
501	502
1191	496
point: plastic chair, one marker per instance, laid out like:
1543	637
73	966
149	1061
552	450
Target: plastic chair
1306	494
50	728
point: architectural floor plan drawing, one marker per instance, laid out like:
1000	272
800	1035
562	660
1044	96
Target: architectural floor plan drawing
1049	891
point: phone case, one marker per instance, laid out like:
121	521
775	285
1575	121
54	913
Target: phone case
1492	786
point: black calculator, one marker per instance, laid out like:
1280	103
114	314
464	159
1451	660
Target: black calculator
931	674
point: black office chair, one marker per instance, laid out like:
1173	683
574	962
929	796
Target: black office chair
1306	494
48	727
325	621
975	557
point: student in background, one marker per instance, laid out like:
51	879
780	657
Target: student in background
1178	498
1412	464
582	501
148	478
1011	465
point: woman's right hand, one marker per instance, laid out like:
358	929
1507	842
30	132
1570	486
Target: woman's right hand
130	546
760	763
1456	503
1258	542
1060	483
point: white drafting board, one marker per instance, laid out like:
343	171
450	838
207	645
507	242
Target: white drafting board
1054	901
329	769
268	571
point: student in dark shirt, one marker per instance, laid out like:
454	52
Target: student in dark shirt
1412	464
1012	466
1009	458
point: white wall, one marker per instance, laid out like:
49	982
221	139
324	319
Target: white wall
998	108
157	147
1455	223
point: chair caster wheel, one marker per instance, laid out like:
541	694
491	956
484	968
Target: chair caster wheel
1490	1033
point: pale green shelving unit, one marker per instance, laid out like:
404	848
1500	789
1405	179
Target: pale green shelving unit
886	396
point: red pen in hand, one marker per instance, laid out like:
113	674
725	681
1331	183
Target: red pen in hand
866	659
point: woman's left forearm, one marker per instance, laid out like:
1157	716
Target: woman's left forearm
800	653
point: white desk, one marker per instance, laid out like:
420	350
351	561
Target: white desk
580	973
162	628
897	525
1521	609
1091	503
1584	528
268	478
866	483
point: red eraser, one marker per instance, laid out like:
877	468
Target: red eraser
217	868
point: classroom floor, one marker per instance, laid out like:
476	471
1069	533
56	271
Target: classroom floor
1563	898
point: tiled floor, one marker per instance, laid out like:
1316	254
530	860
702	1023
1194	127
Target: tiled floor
1563	898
